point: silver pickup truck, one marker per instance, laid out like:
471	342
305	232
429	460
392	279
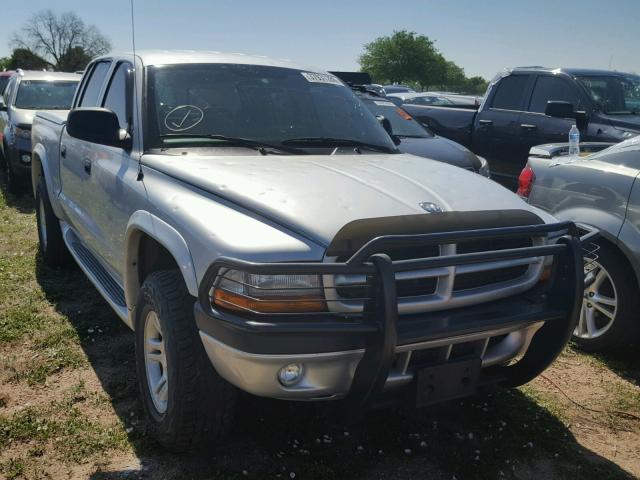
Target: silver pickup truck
256	227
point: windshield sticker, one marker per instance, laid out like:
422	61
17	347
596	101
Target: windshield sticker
384	104
321	78
183	118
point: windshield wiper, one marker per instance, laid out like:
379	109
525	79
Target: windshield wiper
243	142
336	142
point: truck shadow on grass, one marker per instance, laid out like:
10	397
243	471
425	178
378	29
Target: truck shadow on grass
23	203
497	434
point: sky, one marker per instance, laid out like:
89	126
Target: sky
481	36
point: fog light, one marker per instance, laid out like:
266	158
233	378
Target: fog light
290	374
26	159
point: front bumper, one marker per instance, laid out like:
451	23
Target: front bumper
363	357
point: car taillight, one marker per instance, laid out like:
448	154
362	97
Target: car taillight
525	182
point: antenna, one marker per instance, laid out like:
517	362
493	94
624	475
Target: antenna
135	86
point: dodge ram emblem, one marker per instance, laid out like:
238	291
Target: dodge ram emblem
430	207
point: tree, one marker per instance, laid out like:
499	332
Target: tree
56	38
73	60
26	59
477	85
406	57
403	57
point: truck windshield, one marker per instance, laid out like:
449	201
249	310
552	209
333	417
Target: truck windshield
45	95
614	94
402	124
274	105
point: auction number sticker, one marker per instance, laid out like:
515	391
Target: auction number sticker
321	78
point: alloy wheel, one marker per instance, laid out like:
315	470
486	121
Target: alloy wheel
599	304
155	360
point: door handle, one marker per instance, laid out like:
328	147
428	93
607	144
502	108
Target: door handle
528	126
63	151
87	166
487	123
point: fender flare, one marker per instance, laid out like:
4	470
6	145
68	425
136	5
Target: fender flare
144	223
43	169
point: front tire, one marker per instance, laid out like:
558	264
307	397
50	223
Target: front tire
51	244
188	404
610	304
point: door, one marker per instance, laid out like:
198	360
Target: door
539	128
113	181
76	194
497	134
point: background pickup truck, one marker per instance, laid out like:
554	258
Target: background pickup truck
531	106
256	227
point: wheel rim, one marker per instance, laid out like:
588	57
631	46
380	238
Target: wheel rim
155	362
599	304
42	225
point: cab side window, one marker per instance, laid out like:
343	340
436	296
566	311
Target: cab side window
510	92
552	89
116	98
94	84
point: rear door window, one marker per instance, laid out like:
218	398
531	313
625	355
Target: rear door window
510	93
552	89
94	84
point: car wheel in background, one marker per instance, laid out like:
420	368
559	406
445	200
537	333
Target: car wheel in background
188	404
51	244
608	318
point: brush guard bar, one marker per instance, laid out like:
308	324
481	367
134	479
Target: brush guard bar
379	323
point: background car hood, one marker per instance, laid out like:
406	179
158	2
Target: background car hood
631	122
317	195
25	117
440	149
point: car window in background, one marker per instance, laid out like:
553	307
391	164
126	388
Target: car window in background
45	95
260	103
429	100
402	124
615	95
548	89
116	98
3	83
510	92
94	85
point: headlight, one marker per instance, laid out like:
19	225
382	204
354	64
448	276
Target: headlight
22	132
253	293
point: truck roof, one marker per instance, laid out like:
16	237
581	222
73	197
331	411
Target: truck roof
570	71
172	57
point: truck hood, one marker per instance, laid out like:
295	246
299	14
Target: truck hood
624	122
317	195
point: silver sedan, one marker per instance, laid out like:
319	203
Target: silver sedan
600	189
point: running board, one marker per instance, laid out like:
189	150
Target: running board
110	290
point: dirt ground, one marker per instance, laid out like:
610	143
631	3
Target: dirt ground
69	405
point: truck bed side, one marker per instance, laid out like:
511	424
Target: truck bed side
450	122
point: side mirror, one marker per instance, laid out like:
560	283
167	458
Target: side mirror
386	124
97	125
395	100
560	109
